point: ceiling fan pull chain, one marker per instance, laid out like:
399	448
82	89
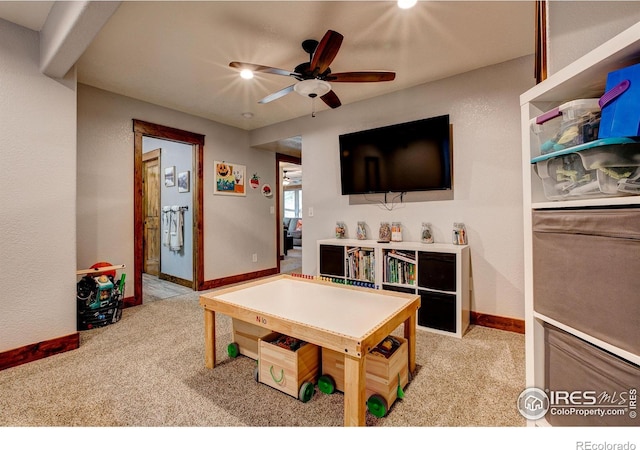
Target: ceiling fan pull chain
313	106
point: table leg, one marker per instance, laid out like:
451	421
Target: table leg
354	392
410	336
209	338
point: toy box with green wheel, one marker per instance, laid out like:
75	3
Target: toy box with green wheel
245	338
288	364
99	296
387	373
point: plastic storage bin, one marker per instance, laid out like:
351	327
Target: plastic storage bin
602	168
572	123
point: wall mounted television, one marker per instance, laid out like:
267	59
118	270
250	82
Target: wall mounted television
407	157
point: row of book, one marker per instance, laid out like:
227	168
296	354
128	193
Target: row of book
399	267
361	264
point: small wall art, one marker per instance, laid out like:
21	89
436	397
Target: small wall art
183	181
170	176
229	178
254	181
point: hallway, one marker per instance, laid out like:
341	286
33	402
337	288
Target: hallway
153	288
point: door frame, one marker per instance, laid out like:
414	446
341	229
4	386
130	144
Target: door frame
141	129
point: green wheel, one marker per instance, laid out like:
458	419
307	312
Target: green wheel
306	392
326	384
377	405
233	350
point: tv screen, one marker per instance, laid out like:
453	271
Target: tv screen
412	156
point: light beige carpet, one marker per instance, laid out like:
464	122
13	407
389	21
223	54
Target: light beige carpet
292	261
148	370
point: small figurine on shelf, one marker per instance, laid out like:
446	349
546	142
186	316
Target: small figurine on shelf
426	236
361	231
396	232
459	234
341	230
384	235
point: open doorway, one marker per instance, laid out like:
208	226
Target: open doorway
290	213
168	219
171	160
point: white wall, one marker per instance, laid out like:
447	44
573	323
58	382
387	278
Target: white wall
575	28
484	109
38	195
234	227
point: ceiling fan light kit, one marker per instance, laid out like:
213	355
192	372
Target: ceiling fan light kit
312	88
314	76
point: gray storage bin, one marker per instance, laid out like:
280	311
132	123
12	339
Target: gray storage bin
586	270
575	366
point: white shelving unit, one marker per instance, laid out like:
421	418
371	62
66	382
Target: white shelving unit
439	273
585	78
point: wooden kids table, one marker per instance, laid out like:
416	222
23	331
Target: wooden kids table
343	318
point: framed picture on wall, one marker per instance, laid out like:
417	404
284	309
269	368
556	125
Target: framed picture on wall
229	178
170	176
183	181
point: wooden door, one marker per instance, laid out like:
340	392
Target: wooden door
151	202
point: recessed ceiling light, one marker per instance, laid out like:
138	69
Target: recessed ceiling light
406	4
246	74
247	115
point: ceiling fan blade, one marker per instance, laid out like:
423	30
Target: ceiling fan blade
331	99
277	95
360	77
326	51
264	69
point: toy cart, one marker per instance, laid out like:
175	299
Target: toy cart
387	373
292	369
245	339
99	296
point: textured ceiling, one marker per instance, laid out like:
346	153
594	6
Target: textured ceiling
177	54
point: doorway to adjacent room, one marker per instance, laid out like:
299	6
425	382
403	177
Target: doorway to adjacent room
290	213
167	193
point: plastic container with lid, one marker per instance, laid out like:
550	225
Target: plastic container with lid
602	168
570	124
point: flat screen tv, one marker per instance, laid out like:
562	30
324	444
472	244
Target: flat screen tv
407	157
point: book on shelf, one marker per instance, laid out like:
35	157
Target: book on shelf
361	264
399	269
403	256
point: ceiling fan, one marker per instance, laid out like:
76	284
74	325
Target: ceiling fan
314	77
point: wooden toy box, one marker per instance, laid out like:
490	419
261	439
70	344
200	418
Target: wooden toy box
381	373
285	369
246	335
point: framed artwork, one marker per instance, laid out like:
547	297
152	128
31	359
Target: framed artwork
170	176
183	181
229	178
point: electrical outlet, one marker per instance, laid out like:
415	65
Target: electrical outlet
272	210
310	211
254	257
